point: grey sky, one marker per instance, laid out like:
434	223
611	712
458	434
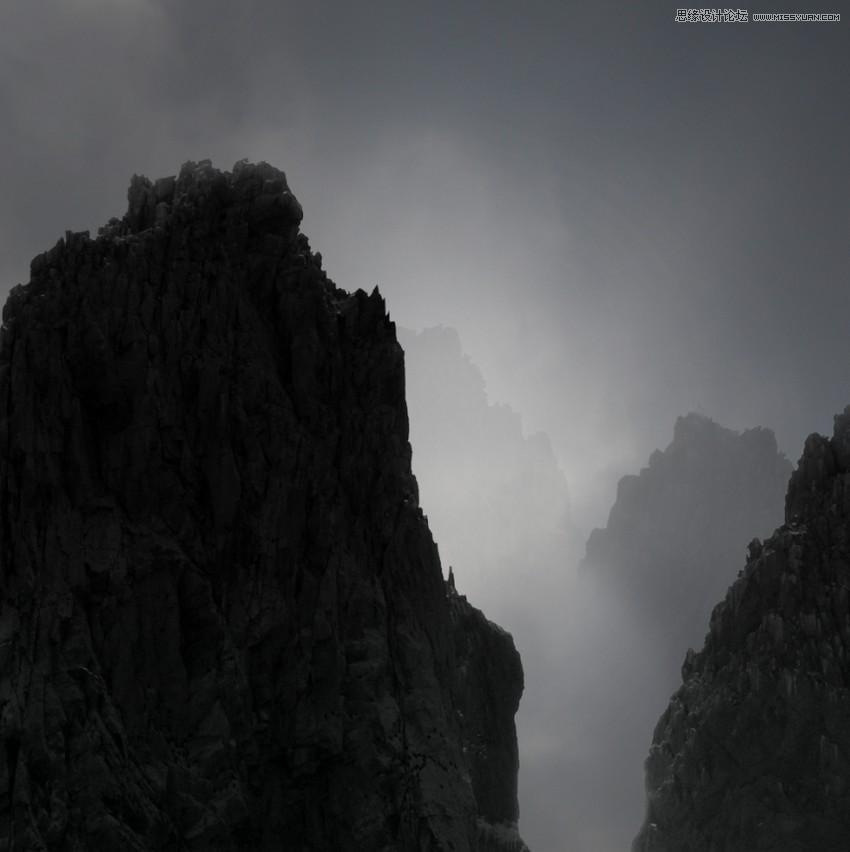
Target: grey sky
624	217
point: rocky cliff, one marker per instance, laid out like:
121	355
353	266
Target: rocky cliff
753	751
223	622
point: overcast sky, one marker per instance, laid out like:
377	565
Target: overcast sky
624	217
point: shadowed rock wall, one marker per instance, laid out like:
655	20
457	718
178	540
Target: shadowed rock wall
223	623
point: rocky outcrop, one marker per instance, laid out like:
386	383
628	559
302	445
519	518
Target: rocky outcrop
753	751
223	622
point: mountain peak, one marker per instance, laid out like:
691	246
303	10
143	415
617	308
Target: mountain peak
223	621
259	191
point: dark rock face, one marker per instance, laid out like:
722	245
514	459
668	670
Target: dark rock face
754	750
223	623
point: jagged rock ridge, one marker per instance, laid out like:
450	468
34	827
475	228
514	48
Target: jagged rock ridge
223	623
753	751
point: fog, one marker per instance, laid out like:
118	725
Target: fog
603	628
624	218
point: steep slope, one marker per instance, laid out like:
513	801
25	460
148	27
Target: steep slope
753	751
223	623
674	539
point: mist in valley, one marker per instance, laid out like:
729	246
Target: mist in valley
603	625
587	220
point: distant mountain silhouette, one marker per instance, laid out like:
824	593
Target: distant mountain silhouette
676	533
496	499
753	751
674	539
